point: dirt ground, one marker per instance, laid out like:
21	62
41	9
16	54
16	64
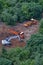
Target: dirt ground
15	42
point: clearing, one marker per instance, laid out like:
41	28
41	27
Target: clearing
15	42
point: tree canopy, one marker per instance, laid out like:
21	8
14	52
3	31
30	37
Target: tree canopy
12	11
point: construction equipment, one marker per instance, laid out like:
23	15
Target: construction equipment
6	42
29	23
34	22
19	35
8	39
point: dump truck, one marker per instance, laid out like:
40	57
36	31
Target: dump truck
28	24
31	22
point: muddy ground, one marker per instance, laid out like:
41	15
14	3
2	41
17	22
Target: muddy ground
20	26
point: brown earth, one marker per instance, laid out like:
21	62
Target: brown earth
15	42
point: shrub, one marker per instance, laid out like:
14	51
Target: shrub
1	6
28	62
41	26
24	55
30	10
41	2
41	23
8	18
4	61
38	60
35	43
4	52
13	53
14	11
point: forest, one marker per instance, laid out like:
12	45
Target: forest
13	11
18	11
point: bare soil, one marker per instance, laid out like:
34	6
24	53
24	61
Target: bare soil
19	27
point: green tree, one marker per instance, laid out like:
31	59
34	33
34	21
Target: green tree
41	2
24	55
4	61
4	52
35	43
31	10
41	26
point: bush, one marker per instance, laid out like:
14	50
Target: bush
30	55
8	18
28	62
28	0
35	43
13	53
4	61
31	10
1	6
18	11
41	2
24	55
38	60
41	23
4	52
41	26
35	39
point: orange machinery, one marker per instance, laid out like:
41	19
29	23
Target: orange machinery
21	34
28	24
32	22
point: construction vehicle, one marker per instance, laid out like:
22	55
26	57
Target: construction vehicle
34	22
19	35
29	23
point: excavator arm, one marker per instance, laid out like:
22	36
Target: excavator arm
16	35
12	32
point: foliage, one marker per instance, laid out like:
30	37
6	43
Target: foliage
28	62
32	54
8	18
31	10
13	53
24	55
35	44
35	41
41	26
41	2
1	6
4	61
41	23
13	11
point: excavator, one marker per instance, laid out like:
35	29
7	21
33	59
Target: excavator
16	35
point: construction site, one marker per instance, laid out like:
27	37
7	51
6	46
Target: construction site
17	35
